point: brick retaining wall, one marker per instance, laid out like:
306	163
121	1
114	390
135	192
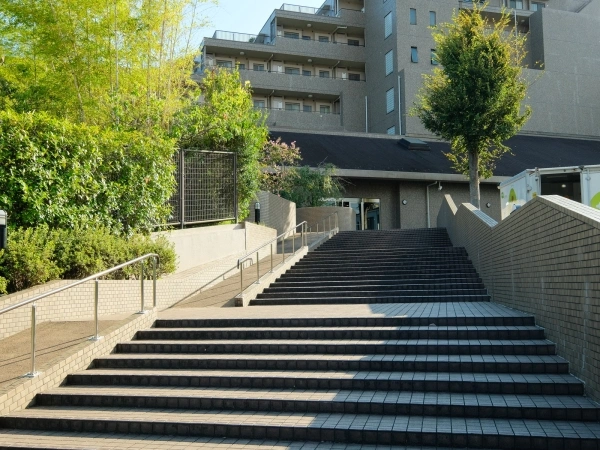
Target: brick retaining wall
544	259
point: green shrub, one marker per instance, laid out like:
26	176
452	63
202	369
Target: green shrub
62	174
3	285
37	255
30	258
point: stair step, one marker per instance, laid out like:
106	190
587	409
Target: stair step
369	300
354	346
535	407
56	440
354	428
382	279
486	383
531	364
375	293
408	315
428	332
433	285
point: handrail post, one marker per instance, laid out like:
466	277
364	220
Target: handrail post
329	220
271	257
257	269
142	310
33	372
96	336
241	278
302	236
283	246
154	302
294	242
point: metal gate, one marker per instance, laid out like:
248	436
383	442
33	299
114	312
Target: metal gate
206	187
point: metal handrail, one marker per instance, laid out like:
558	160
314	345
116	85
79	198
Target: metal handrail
250	255
95	277
327	218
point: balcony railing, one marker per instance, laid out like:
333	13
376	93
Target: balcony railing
304	38
315	11
211	63
243	37
263	108
308	10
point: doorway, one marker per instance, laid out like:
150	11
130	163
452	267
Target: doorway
366	211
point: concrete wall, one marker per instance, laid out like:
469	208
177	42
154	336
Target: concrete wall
197	246
275	212
544	259
394	214
346	217
124	296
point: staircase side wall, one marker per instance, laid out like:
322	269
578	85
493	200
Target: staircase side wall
543	259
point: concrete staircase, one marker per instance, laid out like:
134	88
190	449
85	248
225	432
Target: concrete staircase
386	338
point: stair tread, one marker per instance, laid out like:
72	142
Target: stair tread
522	359
384	328
336	421
86	441
332	342
348	375
419	398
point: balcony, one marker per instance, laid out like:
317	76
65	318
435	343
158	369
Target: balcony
304	120
261	39
297	15
290	49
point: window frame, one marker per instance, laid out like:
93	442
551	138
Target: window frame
432	19
387	25
412	16
391	63
390	99
414	55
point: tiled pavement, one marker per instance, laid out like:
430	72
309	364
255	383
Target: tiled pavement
447	374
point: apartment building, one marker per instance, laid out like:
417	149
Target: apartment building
356	65
340	78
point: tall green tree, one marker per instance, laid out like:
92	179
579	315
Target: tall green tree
475	99
225	120
119	63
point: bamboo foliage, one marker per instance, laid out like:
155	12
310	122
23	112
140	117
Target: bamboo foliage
119	63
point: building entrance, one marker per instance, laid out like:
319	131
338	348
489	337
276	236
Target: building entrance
366	211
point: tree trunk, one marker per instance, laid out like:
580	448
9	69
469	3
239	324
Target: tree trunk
474	178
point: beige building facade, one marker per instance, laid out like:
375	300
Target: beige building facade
356	65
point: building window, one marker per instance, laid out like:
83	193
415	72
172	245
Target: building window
434	60
432	19
292	71
292	106
414	55
389	101
387	25
259	104
325	109
391	130
354	42
323	38
413	16
535	6
324	73
241	66
307	73
389	62
306	38
291	35
259	67
226	64
516	4
354	76
307	108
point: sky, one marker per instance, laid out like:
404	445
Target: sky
245	16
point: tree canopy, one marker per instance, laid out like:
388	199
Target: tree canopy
475	99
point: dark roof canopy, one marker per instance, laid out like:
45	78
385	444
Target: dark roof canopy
371	153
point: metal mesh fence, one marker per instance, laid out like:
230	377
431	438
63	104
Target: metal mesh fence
206	187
